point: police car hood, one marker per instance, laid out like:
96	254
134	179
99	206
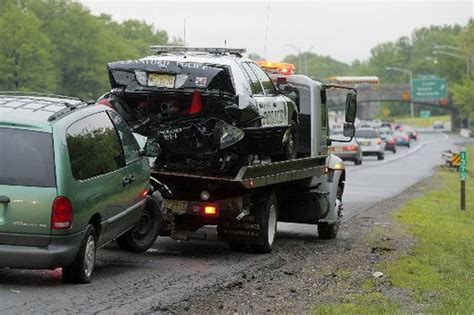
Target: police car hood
150	74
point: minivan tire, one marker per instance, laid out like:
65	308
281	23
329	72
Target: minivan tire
82	268
144	235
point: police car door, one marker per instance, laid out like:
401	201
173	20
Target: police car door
271	106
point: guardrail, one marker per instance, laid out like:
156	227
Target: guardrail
451	159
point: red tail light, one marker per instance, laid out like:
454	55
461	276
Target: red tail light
210	210
105	102
196	104
405	138
62	214
414	133
350	148
378	141
392	141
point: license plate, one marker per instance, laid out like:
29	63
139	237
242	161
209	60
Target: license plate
365	142
176	206
161	80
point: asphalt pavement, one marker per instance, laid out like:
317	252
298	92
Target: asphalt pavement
171	271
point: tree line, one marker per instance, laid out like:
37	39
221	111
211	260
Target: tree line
417	53
58	46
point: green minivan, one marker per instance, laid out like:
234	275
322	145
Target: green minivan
72	179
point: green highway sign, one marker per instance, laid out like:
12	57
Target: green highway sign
463	165
425	113
429	88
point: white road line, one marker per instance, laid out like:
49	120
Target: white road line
398	157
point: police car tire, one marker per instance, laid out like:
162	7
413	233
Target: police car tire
290	148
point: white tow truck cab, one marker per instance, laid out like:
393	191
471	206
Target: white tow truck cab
246	207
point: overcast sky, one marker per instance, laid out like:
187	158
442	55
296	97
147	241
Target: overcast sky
345	30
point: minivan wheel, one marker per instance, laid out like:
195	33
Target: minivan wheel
144	234
83	266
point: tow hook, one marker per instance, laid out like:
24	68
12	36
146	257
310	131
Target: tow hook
244	213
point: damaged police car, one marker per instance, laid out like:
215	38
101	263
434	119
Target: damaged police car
209	109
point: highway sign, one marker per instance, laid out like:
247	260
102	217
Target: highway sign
463	166
425	113
429	89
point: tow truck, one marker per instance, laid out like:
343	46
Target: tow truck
246	207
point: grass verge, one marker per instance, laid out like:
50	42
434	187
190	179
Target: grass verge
438	272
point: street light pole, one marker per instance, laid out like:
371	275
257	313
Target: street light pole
410	74
455	52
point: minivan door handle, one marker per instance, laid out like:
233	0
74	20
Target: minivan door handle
125	181
4	199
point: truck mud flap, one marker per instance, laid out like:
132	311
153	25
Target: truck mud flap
246	230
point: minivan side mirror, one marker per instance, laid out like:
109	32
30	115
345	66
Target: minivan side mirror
152	148
351	107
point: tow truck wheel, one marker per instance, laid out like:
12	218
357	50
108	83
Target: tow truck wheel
144	234
327	231
267	216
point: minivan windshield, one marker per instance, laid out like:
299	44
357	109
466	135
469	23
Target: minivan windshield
26	158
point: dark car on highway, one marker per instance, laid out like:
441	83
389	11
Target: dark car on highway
209	109
403	139
72	179
387	136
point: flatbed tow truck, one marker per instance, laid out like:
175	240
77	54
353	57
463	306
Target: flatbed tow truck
247	207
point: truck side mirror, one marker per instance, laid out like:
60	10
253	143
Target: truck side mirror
349	130
151	149
351	107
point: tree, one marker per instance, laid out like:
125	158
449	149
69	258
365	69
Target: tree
25	61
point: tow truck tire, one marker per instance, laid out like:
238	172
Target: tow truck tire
143	236
267	216
82	268
328	231
380	156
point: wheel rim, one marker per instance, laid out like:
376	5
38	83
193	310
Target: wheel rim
89	257
272	222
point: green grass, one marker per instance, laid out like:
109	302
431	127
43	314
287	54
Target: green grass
438	273
418	122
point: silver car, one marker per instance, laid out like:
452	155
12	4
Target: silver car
370	142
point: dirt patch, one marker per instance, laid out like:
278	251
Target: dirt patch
311	272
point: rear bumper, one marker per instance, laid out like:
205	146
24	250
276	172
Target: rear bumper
61	251
347	156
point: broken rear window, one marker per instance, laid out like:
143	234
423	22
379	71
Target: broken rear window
165	74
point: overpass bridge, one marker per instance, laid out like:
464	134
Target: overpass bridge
369	99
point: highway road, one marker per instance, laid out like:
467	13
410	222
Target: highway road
168	275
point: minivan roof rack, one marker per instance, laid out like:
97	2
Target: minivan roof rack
158	49
23	93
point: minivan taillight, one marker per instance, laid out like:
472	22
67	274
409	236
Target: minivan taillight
61	216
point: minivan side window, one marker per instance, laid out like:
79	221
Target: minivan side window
130	145
255	85
94	147
267	83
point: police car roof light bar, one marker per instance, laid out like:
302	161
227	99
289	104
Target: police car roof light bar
212	50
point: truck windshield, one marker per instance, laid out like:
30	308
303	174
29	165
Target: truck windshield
26	158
